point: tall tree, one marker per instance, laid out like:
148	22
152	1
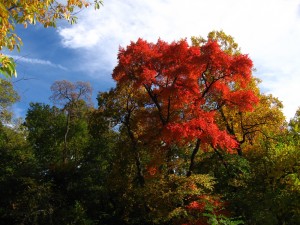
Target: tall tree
75	99
166	108
184	86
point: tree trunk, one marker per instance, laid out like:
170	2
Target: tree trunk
65	151
192	163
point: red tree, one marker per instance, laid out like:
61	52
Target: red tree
185	87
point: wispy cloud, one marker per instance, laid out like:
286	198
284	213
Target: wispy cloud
37	61
268	30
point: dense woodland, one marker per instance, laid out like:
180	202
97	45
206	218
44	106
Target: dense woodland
184	138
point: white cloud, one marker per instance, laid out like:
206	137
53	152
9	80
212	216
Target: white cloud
17	111
37	61
268	30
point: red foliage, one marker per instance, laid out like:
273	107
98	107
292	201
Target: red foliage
186	85
195	205
199	206
152	170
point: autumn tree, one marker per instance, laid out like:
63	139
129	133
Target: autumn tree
256	133
166	107
184	87
250	128
13	12
265	119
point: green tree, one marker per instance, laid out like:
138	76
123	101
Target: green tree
45	126
79	179
271	194
294	126
94	177
25	198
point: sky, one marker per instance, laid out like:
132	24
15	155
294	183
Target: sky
268	31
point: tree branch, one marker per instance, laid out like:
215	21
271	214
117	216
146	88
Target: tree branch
154	99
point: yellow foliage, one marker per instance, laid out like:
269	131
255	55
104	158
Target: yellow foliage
26	12
225	41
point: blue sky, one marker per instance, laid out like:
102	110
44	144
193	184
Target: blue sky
269	31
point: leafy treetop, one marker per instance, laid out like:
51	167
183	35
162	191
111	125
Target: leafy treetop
185	87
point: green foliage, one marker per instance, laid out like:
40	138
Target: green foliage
271	195
294	126
214	219
24	198
8	96
46	125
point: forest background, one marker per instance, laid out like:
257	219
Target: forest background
185	137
